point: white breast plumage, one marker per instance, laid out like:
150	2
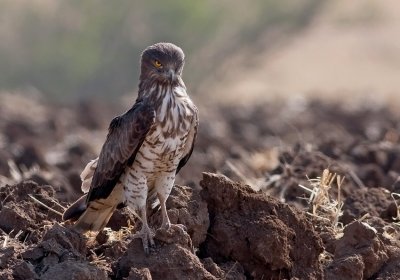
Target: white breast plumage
166	140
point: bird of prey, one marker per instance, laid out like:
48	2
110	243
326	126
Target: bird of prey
144	150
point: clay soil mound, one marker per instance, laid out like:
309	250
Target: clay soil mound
247	226
243	213
56	251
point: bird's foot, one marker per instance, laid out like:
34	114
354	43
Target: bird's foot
147	235
183	227
168	225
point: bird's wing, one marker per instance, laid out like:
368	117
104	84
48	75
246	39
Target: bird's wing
126	134
190	141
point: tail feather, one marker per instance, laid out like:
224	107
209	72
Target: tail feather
94	215
76	209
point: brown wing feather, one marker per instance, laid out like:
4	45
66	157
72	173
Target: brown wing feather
190	142
125	136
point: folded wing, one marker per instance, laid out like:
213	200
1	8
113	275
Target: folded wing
126	134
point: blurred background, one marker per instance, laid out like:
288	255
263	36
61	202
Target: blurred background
79	50
255	71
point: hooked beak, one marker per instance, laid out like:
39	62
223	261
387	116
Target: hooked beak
171	75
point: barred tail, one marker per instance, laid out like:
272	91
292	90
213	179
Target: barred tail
94	215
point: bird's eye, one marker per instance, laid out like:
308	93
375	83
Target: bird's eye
157	63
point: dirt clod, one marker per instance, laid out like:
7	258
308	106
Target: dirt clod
360	248
372	201
247	226
139	274
24	270
228	270
74	270
173	256
5	256
186	207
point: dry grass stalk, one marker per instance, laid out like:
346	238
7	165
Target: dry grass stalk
392	231
121	234
10	241
44	205
323	206
394	195
98	260
6	238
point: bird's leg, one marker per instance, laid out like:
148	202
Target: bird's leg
165	219
145	233
164	186
136	190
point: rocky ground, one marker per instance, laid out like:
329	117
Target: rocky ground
239	197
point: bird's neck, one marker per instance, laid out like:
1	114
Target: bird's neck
156	92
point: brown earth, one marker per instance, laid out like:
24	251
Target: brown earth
260	228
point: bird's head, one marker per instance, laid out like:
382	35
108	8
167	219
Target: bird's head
162	62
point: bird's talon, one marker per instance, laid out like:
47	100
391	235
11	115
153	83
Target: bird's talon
146	250
183	227
166	226
146	234
152	244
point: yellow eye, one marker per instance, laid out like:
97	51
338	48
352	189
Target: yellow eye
157	63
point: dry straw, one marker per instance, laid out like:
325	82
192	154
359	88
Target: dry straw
323	205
